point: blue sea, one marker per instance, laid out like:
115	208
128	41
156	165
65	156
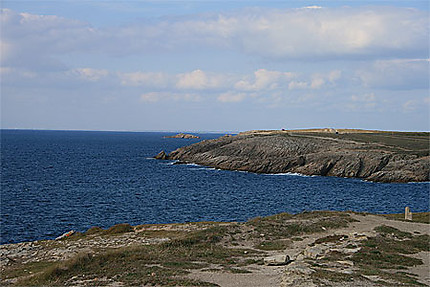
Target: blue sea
56	181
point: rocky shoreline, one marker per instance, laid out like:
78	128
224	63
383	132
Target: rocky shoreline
370	155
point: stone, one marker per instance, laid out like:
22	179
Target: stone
408	213
346	262
314	252
347	250
277	260
297	274
161	155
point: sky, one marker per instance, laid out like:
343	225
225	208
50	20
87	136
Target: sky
223	66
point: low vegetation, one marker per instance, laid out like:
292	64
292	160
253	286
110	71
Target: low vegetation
384	258
161	264
286	225
233	248
421	217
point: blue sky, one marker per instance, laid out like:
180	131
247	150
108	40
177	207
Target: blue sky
214	65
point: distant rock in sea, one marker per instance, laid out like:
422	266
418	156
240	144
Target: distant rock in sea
183	136
371	155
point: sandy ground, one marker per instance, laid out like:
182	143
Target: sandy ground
262	275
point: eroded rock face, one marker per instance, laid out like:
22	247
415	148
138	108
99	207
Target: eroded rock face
308	155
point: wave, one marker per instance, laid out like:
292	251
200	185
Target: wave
202	167
191	164
289	174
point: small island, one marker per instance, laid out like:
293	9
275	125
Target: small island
183	136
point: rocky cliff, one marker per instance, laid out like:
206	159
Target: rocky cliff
371	155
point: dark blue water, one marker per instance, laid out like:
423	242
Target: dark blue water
55	181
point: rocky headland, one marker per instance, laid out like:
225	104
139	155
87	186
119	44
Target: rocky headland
371	155
183	136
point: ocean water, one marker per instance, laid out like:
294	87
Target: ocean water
55	181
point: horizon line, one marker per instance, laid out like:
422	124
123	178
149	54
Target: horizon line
206	131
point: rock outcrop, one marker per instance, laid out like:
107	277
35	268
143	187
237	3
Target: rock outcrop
183	136
161	155
382	157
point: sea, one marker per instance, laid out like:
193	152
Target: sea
56	181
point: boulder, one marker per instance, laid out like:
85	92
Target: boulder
277	260
314	252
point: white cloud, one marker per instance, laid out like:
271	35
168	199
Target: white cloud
198	80
313	7
25	35
271	33
297	85
263	79
341	32
90	74
317	82
231	97
399	74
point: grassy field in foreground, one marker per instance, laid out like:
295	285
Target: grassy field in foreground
231	248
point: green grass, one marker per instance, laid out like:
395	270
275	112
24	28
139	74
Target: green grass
388	251
401	142
385	230
273	245
384	255
330	239
168	263
323	275
131	265
420	217
94	230
119	229
27	269
283	225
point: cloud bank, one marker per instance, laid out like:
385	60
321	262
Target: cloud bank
311	62
306	34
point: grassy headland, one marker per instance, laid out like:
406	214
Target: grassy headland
372	155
